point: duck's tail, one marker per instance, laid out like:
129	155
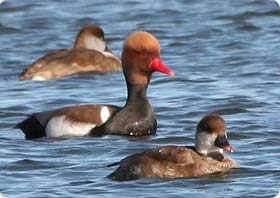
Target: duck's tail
32	128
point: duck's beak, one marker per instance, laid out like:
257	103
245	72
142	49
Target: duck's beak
158	65
229	148
222	142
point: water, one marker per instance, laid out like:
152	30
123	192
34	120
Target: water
225	53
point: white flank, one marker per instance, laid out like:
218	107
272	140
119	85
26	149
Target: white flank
60	126
104	114
278	1
1	1
38	78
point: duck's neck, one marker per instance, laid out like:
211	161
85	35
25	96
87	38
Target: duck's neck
204	143
137	94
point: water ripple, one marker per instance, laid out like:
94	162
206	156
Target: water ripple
226	58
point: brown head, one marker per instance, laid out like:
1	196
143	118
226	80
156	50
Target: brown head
91	37
211	135
141	57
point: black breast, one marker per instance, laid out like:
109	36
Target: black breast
135	119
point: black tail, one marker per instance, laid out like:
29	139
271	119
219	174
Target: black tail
123	173
32	128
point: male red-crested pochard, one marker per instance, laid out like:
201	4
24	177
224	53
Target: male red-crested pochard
177	161
90	54
140	58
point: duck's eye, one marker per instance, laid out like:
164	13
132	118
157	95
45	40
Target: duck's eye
144	54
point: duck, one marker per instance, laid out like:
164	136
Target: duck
90	54
140	58
171	162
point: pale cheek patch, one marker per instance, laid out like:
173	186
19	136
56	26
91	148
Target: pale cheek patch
60	126
204	141
95	44
104	114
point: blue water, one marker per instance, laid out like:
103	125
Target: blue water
225	53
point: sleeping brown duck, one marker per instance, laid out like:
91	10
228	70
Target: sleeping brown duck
90	54
176	161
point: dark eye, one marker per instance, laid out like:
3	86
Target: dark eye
144	54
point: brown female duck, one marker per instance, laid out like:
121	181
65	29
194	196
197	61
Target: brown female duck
90	54
176	161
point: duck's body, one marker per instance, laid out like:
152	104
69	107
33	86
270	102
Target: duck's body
66	122
177	161
90	54
63	63
170	162
135	118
